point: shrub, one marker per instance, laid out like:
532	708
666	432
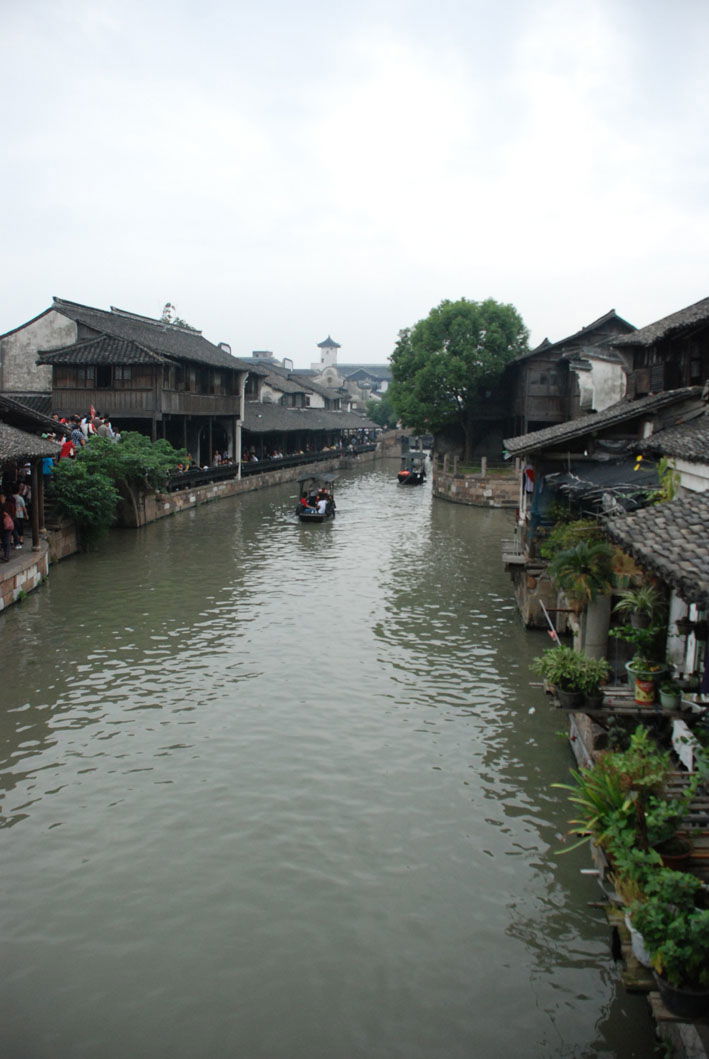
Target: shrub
88	497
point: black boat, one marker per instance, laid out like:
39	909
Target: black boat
413	469
316	498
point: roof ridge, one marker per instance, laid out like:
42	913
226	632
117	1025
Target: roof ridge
153	320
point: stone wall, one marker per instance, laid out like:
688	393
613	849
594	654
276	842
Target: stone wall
487	489
22	574
62	539
153	506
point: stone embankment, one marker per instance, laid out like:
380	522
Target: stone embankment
153	506
489	488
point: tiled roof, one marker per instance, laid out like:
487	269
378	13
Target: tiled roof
688	441
672	541
36	402
19	415
102	350
263	418
698	313
585	332
154	335
283	384
16	444
621	412
329	343
378	371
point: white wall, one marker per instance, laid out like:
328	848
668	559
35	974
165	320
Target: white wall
602	386
18	352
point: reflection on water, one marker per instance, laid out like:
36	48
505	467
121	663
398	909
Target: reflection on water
282	791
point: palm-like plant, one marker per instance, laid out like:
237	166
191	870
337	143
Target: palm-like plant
584	572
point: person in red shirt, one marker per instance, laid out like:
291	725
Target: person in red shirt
67	449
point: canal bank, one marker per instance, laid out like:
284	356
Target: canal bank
59	539
284	791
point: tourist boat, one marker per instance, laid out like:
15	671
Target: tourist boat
413	469
311	491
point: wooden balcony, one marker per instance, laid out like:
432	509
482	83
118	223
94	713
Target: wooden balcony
144	404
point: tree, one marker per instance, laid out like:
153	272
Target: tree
89	487
169	316
444	366
133	463
381	412
86	496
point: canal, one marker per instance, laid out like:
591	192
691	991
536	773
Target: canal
283	792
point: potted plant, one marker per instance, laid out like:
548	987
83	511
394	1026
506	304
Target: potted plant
598	794
584	572
676	933
593	673
641	604
570	673
646	667
670	695
633	868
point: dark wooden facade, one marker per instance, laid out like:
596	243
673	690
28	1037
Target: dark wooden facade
671	353
544	386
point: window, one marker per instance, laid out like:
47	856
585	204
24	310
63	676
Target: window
86	376
103	376
64	376
123	376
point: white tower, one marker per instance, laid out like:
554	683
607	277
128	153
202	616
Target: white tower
328	354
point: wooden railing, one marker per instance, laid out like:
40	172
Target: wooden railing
200	476
143	403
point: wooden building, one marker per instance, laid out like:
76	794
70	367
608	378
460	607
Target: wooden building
557	381
669	353
146	374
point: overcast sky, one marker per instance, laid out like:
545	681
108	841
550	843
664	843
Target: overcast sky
283	171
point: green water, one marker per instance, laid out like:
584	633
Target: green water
277	791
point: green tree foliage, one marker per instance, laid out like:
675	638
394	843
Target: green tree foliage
89	487
135	460
444	366
382	412
88	498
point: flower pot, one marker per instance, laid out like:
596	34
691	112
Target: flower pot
685	1003
645	682
670	700
676	853
570	700
637	944
593	700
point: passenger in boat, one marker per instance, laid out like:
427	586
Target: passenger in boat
322	505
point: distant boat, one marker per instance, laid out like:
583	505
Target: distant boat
316	501
413	469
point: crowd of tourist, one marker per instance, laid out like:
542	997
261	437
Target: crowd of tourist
81	429
15	506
